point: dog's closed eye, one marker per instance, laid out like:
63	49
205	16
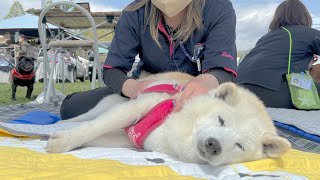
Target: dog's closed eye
238	145
221	121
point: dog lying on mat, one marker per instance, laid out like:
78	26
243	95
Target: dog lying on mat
23	75
227	125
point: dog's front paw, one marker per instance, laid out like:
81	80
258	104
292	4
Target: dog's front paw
59	142
13	99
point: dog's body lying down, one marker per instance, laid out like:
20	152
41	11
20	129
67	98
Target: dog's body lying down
227	125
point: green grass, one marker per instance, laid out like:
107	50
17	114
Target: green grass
5	91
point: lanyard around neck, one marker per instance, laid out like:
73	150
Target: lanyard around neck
191	58
290	49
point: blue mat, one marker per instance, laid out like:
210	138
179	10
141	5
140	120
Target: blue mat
37	118
298	131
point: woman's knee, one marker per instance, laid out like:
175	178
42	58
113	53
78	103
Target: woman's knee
67	106
79	103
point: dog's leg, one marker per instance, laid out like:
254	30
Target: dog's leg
119	117
104	105
114	139
29	91
14	91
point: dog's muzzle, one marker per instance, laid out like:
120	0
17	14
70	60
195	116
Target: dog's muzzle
26	66
210	147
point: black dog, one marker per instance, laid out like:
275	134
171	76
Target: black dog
23	75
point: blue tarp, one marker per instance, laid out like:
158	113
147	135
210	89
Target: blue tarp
36	117
298	131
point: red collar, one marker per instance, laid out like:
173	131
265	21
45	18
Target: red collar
16	74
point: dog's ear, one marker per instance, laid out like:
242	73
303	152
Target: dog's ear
227	92
274	145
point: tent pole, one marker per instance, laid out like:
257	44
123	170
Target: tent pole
45	56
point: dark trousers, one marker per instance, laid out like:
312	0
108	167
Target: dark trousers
274	99
79	103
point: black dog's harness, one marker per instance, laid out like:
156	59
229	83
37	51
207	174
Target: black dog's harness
16	74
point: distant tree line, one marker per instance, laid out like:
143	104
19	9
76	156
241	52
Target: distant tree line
16	9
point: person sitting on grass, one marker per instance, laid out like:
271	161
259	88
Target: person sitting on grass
263	70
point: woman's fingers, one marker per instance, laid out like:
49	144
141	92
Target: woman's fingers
191	90
187	93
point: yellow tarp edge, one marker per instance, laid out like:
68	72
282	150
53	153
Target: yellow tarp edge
9	134
22	163
296	162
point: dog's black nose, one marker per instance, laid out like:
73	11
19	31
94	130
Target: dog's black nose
212	146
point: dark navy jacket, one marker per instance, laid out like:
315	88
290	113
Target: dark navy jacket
133	37
267	62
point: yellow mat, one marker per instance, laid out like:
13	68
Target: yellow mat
21	163
296	162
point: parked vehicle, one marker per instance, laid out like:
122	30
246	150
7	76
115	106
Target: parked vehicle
75	65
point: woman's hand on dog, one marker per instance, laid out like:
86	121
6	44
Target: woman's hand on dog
131	87
198	86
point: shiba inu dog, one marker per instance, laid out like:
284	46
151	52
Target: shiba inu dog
227	125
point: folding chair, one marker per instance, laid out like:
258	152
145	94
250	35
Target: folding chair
60	46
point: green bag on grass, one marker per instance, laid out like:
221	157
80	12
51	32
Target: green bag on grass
304	93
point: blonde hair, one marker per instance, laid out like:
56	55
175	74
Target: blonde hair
193	19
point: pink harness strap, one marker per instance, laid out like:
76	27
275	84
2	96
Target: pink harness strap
155	117
164	88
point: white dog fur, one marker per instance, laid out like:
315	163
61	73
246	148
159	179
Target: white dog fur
227	125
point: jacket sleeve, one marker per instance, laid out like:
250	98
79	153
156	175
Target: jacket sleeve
123	50
221	75
125	44
220	44
114	79
24	48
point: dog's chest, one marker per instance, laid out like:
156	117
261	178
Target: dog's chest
21	82
157	141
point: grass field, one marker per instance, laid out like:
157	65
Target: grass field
5	91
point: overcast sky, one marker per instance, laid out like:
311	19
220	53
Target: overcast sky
253	15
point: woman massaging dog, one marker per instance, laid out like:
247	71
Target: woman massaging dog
192	36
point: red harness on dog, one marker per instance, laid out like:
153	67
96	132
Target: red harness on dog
16	74
138	132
